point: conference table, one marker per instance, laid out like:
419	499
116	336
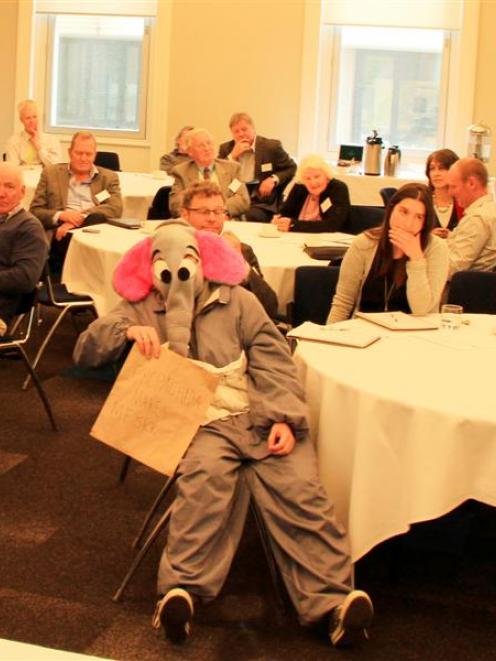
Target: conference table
137	188
92	257
406	428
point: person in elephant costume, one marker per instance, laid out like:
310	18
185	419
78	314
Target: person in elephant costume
181	286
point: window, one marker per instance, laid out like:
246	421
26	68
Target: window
388	79
97	74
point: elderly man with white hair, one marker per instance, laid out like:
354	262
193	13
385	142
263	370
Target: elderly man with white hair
203	166
23	245
317	202
31	146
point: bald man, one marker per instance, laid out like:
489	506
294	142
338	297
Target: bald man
23	245
472	244
31	146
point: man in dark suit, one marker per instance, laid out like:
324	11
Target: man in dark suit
70	195
263	162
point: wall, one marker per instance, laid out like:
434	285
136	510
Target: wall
8	44
236	56
485	84
214	57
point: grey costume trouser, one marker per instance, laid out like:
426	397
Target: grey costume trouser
210	508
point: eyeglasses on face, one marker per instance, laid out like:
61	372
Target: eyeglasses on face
202	211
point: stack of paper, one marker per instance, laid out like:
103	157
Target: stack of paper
347	336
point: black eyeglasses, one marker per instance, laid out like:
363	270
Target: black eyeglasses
218	213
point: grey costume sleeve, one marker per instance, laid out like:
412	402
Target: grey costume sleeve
274	390
105	338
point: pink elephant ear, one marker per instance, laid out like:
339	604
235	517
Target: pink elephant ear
133	277
220	262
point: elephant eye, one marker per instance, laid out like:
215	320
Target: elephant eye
161	271
187	268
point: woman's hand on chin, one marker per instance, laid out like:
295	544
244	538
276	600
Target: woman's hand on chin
408	243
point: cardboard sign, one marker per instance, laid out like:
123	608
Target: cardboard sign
155	408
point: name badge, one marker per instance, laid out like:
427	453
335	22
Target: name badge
234	185
325	205
102	196
266	167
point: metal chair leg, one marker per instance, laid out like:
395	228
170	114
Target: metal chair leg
124	468
161	523
156	504
269	555
39	387
45	343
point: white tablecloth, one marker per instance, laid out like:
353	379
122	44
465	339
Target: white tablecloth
406	428
138	190
364	189
91	258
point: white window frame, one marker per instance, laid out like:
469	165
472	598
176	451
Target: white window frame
461	78
46	30
330	54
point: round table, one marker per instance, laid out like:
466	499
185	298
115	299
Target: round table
91	258
405	428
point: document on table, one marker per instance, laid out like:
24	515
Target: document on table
155	408
346	336
400	320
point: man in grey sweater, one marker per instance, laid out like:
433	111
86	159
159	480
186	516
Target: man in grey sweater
23	245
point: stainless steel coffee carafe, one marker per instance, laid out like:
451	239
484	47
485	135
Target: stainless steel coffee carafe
392	161
372	154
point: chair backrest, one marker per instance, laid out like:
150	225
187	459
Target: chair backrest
474	290
108	159
387	193
313	293
362	218
160	205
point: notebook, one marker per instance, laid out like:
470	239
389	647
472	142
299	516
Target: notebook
127	223
400	320
346	336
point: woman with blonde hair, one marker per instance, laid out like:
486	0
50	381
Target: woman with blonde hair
317	202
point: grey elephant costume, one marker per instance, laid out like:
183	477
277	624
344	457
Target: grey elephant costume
205	315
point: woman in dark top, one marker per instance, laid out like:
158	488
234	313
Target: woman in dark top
447	211
317	202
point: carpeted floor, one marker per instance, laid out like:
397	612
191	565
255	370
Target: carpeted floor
66	527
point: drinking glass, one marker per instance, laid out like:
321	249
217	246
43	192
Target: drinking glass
451	317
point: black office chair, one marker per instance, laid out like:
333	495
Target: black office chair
55	295
160	205
313	292
363	218
387	193
474	290
109	160
17	336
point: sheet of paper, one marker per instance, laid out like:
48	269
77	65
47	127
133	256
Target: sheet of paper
344	335
155	408
400	320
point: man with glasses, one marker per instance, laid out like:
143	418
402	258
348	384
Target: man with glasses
203	207
203	166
